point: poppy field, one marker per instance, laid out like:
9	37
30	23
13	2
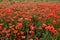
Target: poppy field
29	20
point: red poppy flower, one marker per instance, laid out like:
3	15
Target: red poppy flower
31	24
40	28
20	19
7	10
0	27
2	38
55	32
58	20
36	38
51	28
0	32
19	25
22	33
58	29
47	28
44	25
7	34
18	37
15	31
4	30
23	37
31	32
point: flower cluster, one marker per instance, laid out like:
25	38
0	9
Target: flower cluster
30	21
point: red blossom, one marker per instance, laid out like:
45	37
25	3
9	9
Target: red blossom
22	33
7	10
40	28
2	38
31	32
47	28
51	28
44	25
8	35
19	25
36	38
55	32
12	18
15	31
23	37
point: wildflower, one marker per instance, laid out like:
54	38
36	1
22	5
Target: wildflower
36	38
23	37
0	27
15	31
51	28
7	10
40	28
31	24
19	25
55	32
20	19
7	34
19	37
0	31
31	32
44	25
21	32
47	28
2	38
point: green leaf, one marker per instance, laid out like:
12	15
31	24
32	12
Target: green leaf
47	21
6	38
57	37
35	0
51	0
36	22
3	34
57	25
33	36
20	0
0	0
47	38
